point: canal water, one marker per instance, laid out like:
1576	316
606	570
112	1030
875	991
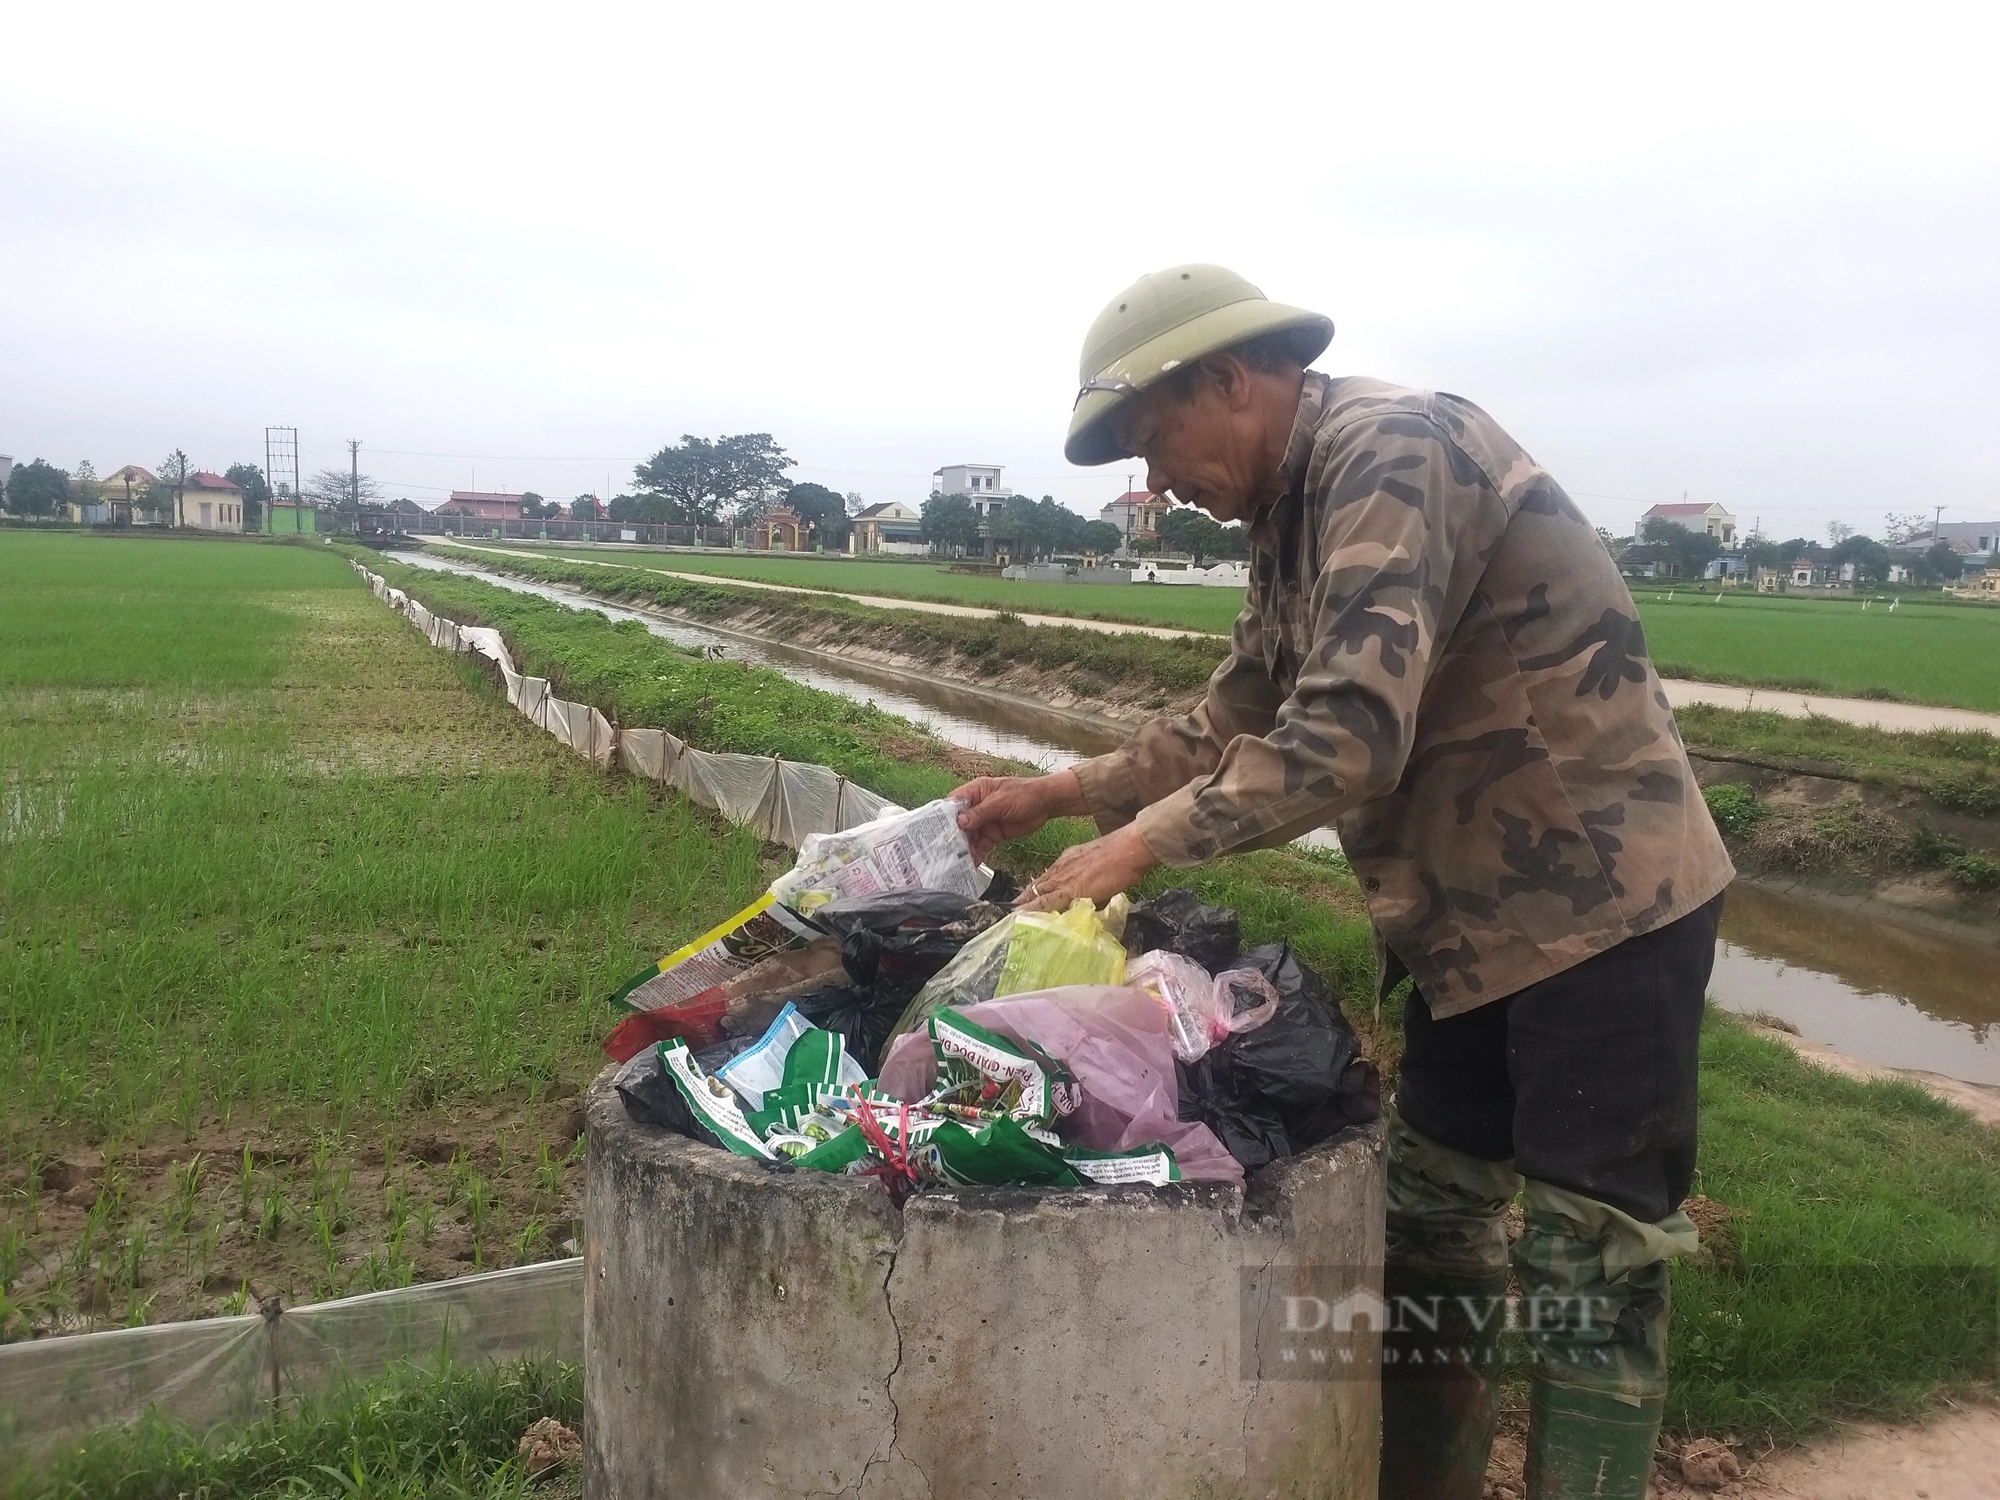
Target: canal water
1902	998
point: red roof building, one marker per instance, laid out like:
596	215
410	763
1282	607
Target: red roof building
1136	514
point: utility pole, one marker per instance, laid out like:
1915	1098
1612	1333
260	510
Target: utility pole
354	474
1937	516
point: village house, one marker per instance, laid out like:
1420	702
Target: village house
888	529
211	503
121	491
1711	520
1136	514
980	483
484	505
1974	537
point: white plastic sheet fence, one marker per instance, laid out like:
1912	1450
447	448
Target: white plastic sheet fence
226	1372
782	800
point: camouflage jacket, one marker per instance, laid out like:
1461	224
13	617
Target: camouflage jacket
1437	656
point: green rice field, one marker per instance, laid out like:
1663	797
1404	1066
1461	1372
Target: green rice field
1925	651
1178	607
306	936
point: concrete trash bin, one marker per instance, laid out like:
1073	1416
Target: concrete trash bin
752	1333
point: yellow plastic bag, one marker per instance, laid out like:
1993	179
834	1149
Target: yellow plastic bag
1077	946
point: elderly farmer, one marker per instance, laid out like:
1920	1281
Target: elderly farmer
1437	657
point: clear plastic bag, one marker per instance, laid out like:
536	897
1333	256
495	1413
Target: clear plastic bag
1202	1011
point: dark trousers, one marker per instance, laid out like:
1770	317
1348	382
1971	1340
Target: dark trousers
1585	1080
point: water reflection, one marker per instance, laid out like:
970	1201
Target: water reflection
1905	999
976	721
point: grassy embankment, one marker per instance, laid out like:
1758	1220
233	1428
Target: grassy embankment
433	1433
1929	650
1840	1191
304	937
1960	769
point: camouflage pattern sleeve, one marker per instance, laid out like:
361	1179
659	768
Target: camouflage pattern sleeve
1167	754
1381	563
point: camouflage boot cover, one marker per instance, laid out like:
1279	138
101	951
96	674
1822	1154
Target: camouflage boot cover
1445	1282
1594	1303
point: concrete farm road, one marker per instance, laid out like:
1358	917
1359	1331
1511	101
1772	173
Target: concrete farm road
1905	717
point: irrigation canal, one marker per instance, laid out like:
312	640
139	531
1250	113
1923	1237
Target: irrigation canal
1892	996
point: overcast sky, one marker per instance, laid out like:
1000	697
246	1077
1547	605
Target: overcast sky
1743	253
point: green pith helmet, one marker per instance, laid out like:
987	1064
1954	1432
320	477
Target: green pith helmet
1161	322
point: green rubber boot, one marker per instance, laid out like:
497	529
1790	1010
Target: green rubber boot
1438	1398
1585	1443
1595	1294
1445	1280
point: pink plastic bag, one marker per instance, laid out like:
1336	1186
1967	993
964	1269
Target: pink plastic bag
1115	1041
1202	1012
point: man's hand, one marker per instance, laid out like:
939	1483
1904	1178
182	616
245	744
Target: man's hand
999	808
1099	869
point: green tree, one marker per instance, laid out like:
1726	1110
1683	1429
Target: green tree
700	480
535	508
1870	558
1940	564
83	486
173	471
256	493
824	511
1100	537
1692	550
1186	529
37	489
583	508
1763	554
949	523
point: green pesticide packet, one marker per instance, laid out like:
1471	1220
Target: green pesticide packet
849	1151
712	1101
811	1079
980	1068
1151	1163
1001	1154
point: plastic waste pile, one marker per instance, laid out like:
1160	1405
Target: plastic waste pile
880	1012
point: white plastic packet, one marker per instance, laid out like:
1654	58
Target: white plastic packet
923	849
758	1069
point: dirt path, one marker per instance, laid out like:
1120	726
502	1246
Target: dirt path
1906	717
1680	691
1980	1100
1955	1457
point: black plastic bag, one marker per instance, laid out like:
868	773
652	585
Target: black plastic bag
889	946
904	932
1177	921
651	1097
1295	1081
863	1014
